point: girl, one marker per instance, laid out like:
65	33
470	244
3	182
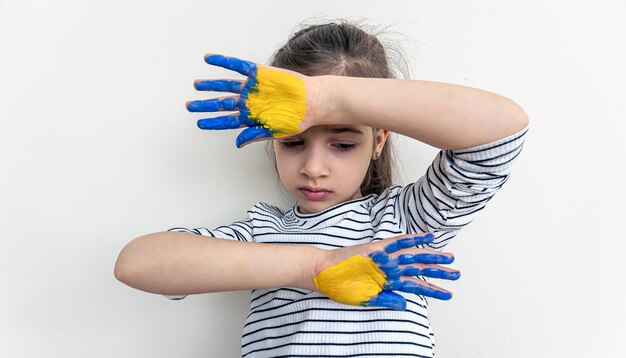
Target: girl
342	273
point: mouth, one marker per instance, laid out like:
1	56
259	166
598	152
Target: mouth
315	194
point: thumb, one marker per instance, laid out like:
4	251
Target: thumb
388	299
253	134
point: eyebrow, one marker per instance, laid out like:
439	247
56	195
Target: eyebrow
335	130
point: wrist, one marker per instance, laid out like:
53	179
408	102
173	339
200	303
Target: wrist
324	259
325	97
318	260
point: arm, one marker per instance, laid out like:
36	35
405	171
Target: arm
459	183
443	115
173	263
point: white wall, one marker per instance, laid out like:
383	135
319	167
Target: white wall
96	149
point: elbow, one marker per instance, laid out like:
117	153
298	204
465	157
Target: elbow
121	269
139	265
522	118
519	117
125	265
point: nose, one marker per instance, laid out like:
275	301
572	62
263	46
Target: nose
315	163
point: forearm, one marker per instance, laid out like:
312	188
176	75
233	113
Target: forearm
443	115
173	263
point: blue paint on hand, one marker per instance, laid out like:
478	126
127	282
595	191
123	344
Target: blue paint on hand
218	85
431	272
379	257
230	63
246	68
213	105
409	242
425	259
252	134
393	285
388	299
412	287
395	268
391	270
225	122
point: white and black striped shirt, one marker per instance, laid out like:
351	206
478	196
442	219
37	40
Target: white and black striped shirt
292	322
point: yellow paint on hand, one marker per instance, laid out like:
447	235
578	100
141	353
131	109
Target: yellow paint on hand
277	101
352	281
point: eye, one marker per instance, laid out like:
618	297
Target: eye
344	146
292	144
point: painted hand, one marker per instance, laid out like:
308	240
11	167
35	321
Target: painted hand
271	101
362	281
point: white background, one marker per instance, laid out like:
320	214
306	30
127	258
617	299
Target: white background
96	149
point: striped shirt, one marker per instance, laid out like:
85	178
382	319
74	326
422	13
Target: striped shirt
293	322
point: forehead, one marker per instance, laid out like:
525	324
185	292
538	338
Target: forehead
337	129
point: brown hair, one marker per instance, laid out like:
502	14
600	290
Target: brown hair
344	49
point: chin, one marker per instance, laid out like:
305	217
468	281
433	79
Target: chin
313	207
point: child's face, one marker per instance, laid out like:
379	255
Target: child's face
325	165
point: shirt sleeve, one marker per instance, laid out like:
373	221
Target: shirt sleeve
457	186
239	230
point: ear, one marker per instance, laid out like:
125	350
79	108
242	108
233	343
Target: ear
380	138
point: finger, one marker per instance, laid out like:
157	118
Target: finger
231	63
433	271
218	85
214	105
388	266
224	122
426	258
253	134
379	257
409	242
419	287
388	299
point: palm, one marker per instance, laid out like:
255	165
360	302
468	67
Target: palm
271	102
370	281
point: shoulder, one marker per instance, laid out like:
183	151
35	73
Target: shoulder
264	210
390	194
385	204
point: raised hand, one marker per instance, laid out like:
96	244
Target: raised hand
369	281
271	101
